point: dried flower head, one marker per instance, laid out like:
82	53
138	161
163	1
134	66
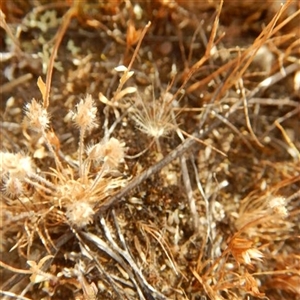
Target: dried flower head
37	115
277	205
13	187
155	118
85	114
110	152
79	213
242	251
15	165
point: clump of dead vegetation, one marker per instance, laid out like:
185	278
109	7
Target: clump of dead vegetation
159	157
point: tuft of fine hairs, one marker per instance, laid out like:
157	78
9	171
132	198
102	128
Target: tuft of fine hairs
155	117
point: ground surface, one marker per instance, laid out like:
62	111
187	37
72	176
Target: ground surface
218	218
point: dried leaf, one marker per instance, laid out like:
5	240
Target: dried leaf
121	68
42	87
133	35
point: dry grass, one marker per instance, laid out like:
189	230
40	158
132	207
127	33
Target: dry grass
150	151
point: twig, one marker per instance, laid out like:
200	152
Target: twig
7	87
126	255
8	31
206	203
202	60
246	111
233	128
288	115
295	153
182	148
61	31
13	295
189	192
102	245
266	83
105	248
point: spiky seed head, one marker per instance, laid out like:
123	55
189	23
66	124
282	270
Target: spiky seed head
15	165
110	152
85	114
79	213
37	115
154	118
13	187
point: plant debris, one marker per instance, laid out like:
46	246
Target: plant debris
150	150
